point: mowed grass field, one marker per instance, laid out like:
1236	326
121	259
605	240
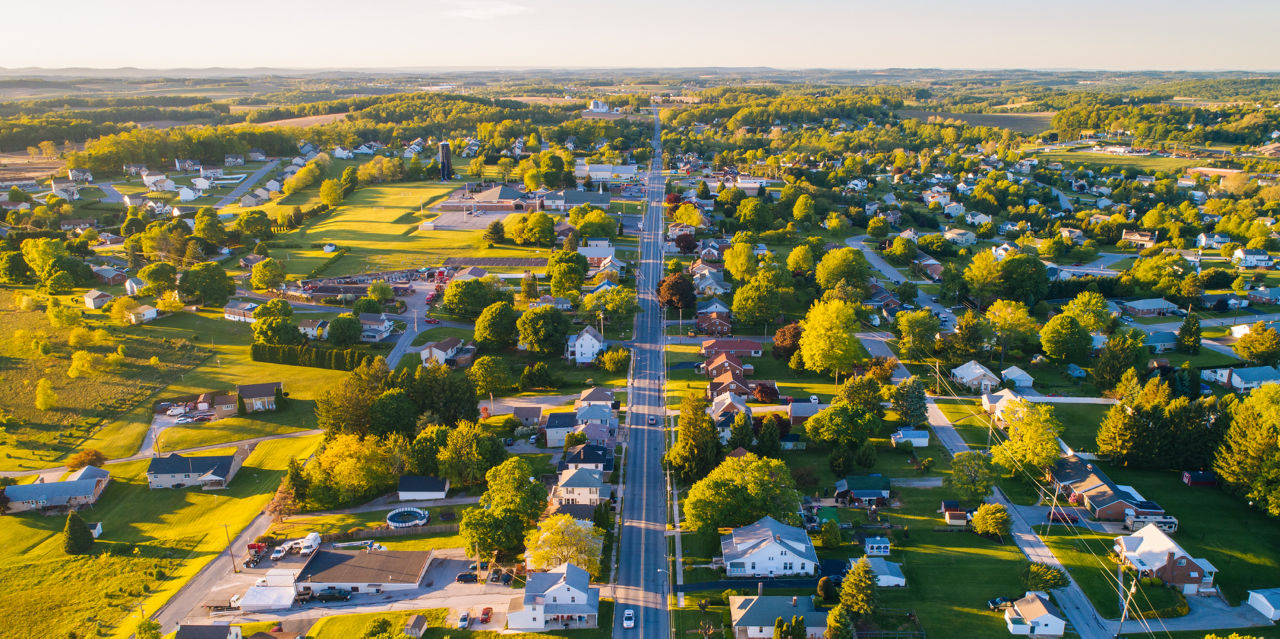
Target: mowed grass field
1038	122
442	624
1140	162
166	537
379	224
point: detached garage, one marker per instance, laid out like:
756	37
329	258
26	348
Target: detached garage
418	487
1266	601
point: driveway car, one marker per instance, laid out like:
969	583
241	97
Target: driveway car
1063	517
999	603
278	553
466	578
464	620
486	615
333	594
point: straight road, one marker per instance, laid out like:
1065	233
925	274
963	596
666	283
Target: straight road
893	277
248	183
642	577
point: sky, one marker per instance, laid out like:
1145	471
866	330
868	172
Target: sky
785	34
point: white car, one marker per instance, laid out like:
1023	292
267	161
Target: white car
464	620
175	411
184	420
629	618
813	399
278	553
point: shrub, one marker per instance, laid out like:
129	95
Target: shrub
1038	576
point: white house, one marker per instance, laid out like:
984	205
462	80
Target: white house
584	347
134	286
1034	615
96	299
1211	241
877	546
558	426
419	487
1266	601
1152	553
581	486
976	219
596	247
237	311
142	314
440	352
1019	377
960	237
975	376
1251	377
560	598
1251	258
888	574
768	548
187	194
342	154
753	617
916	437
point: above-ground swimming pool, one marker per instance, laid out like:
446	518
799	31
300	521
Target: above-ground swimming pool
407	517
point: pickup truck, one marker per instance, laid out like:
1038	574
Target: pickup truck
333	594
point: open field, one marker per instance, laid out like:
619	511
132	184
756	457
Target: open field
1140	162
1019	122
164	537
304	121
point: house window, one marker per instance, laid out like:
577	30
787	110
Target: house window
753	565
1193	574
575	599
1182	562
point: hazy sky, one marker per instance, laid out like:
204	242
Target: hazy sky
1091	34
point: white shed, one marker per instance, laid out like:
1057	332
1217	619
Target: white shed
1266	601
1019	377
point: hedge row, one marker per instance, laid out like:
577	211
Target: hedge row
337	255
342	359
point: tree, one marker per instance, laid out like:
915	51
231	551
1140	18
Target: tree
741	261
254	224
529	286
1249	458
160	277
1189	335
496	233
830	534
1012	324
469	452
1090	310
278	331
147	629
697	447
756	303
331	193
972	475
909	402
739	491
612	305
1025	278
839	623
1124	350
345	407
273	308
676	291
878	227
829	341
1043	577
421	457
1260	346
786	341
13	268
1032	442
344	330
86	457
46	399
983	277
543	330
267	274
120	310
489	374
561	539
1065	340
916	330
381	291
471	296
800	259
740	432
844	428
208	282
565	280
845	265
901	251
512	490
992	520
769	439
392	412
858	592
496	327
76	538
827	589
486	532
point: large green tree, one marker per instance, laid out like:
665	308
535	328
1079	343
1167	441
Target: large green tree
740	491
496	327
844	265
829	341
697	447
543	330
1065	340
972	474
1031	445
858	594
469	453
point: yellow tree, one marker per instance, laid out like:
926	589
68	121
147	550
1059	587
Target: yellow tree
562	539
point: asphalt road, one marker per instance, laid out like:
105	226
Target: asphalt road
642	582
248	183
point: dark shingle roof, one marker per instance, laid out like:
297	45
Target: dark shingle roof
421	484
219	465
251	391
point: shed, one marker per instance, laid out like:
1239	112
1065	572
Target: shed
1199	478
1018	377
1266	601
418	487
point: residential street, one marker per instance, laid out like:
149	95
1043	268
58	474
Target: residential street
248	183
642	574
895	277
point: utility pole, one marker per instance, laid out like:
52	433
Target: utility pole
1124	601
231	553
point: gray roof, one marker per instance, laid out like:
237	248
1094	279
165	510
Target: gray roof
538	583
1256	374
763	611
595	394
881	567
1153	303
747	539
422	483
586	454
594	412
81	483
581	478
202	631
561	420
251	391
172	464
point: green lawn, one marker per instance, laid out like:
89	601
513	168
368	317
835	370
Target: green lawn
968	418
1087	557
1080	423
441	332
1142	163
175	532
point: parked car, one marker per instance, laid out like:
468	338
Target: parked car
484	565
999	603
185	420
533	439
333	594
464	620
278	553
175	411
466	578
1063	517
486	615
629	618
813	399
432	320
652	420
506	578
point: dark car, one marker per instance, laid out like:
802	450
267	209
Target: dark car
999	603
333	594
1063	517
496	575
506	578
484	565
466	578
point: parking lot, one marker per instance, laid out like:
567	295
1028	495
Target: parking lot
463	220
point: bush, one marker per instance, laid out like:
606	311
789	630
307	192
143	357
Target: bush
342	359
1038	576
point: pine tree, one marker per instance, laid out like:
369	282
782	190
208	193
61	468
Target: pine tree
858	592
740	434
240	408
839	624
1189	335
76	538
910	403
769	441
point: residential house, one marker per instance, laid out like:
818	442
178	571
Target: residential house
95	299
888	574
599	247
554	600
1224	301
975	376
1265	601
589	457
1264	295
600	434
1251	258
581	486
1017	376
79	175
1162	341
210	472
594	395
583	348
877	546
1034	615
1245	379
186	166
754	617
768	548
218	630
998	402
1152	553
711	284
1074	236
1212	240
717	324
257	155
861	491
917	438
800	412
441	352
79	489
422	488
251	260
1156	306
259	397
142	314
956	209
470	273
676	229
558	426
737	347
1074	371
1082	483
566	199
374	327
714	305
726	363
528	415
313	328
1141	239
728	404
960	237
595	414
108	275
728	382
134	286
238	311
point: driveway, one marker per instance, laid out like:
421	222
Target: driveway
109	194
244	186
894	276
877	344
